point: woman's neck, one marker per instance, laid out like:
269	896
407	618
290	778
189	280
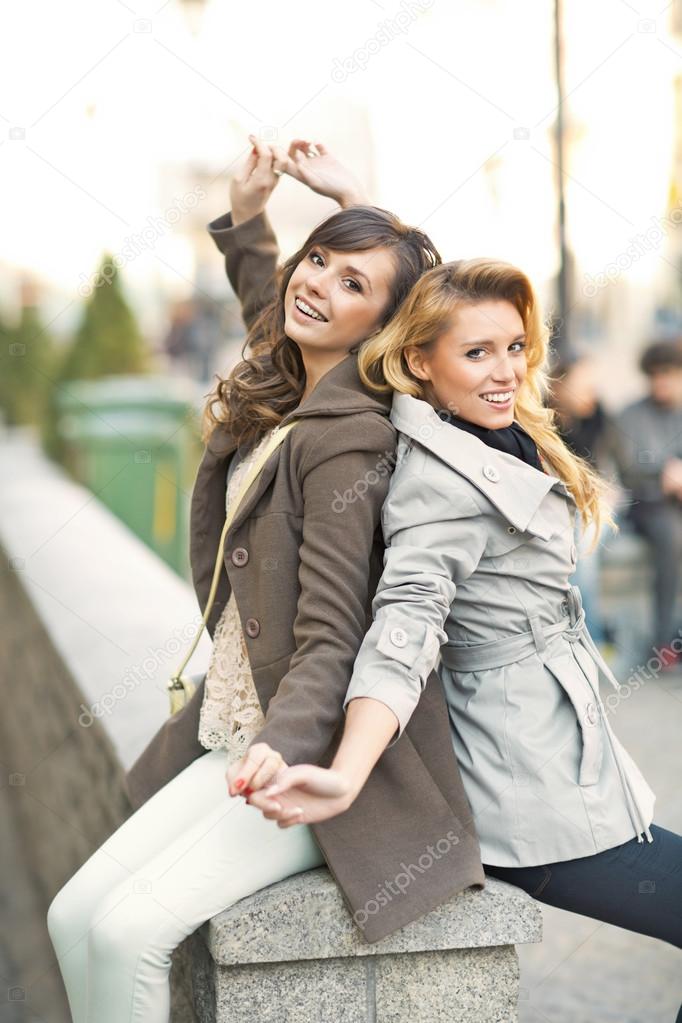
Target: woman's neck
316	366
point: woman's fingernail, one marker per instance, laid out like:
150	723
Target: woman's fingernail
239	783
247	792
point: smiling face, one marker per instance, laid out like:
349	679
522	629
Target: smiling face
335	300
476	367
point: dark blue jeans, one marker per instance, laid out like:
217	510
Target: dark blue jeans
636	885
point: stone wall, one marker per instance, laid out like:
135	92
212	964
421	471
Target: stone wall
91	624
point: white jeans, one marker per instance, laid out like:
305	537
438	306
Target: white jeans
189	852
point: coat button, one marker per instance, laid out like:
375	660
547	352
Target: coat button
511	529
592	715
252	627
491	473
240	556
398	637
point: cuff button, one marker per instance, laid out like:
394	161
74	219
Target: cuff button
398	637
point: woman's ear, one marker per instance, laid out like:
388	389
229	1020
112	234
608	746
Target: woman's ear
414	357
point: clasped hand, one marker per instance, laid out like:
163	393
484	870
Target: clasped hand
304	793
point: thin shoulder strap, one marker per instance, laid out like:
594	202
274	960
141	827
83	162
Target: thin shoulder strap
275	440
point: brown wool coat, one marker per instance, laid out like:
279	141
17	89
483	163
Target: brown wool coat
304	564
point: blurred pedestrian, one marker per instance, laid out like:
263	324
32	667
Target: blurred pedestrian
649	452
587	430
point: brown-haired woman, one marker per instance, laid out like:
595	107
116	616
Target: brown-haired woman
302	559
479	526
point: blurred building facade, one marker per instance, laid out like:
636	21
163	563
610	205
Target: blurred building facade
445	112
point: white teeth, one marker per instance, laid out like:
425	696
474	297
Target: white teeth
305	308
501	396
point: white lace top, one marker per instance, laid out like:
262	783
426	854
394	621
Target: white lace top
230	712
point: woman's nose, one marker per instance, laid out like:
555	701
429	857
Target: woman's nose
503	371
317	283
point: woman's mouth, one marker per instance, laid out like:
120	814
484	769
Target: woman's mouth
307	311
500	400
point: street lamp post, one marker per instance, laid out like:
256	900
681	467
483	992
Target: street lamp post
561	332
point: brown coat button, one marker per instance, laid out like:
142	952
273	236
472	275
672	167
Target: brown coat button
252	627
240	556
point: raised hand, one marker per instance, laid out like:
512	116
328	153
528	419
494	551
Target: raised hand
254	181
314	166
310	163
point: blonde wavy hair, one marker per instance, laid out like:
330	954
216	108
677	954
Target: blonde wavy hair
428	312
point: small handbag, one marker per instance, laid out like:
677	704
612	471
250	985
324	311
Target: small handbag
181	688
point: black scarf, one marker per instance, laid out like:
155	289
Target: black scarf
512	439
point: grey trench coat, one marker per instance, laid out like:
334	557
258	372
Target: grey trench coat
304	555
476	576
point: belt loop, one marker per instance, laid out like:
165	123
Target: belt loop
538	634
575	604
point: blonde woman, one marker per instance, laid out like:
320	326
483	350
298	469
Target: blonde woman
479	526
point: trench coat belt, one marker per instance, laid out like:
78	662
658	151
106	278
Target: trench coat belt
499	652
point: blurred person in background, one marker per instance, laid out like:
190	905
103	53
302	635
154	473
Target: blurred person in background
649	453
194	335
587	431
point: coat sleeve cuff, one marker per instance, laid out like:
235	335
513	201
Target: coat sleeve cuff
227	237
393	664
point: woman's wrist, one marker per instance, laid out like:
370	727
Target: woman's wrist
241	213
352	199
353	778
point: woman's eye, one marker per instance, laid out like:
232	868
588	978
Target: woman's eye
518	345
356	286
316	255
472	352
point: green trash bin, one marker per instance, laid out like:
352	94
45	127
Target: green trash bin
134	441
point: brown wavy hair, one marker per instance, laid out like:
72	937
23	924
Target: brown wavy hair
428	313
267	384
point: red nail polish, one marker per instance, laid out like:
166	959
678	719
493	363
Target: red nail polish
239	783
247	792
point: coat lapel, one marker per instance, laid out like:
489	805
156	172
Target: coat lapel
339	392
515	488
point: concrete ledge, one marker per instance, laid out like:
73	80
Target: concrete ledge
313	923
457	963
459	986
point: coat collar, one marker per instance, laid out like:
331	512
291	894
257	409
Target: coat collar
515	488
340	392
